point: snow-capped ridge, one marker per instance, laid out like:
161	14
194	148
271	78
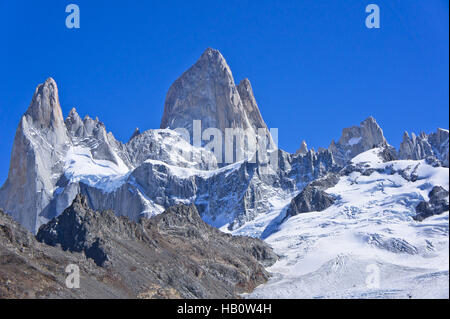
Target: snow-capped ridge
371	225
424	145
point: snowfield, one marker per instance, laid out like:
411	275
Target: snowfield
80	166
367	244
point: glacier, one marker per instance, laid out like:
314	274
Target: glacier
326	254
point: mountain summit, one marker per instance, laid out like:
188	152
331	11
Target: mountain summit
41	139
357	139
207	92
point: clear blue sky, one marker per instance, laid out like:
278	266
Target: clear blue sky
314	66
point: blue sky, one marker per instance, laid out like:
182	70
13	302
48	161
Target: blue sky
314	66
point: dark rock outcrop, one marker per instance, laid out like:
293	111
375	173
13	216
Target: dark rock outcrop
313	198
30	269
438	204
175	251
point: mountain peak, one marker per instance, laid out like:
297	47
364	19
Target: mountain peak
369	120
205	92
405	136
303	148
212	55
136	132
44	109
213	63
357	139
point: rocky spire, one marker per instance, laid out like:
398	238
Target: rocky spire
45	114
303	149
44	109
135	133
440	143
207	92
251	107
40	143
423	146
74	123
357	139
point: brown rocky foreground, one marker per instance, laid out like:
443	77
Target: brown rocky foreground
172	255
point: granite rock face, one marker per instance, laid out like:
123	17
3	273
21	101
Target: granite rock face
175	251
357	139
41	140
303	149
434	145
251	108
207	93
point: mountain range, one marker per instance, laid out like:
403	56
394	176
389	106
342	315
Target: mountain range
327	213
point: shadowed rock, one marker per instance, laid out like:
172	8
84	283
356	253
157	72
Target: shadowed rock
438	204
313	198
175	250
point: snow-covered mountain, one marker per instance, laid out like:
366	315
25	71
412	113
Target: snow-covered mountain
328	214
54	159
370	229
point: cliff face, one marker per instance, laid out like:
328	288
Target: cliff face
207	93
173	255
40	143
434	145
356	140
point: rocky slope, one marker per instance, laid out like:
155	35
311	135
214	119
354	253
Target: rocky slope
173	255
313	197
